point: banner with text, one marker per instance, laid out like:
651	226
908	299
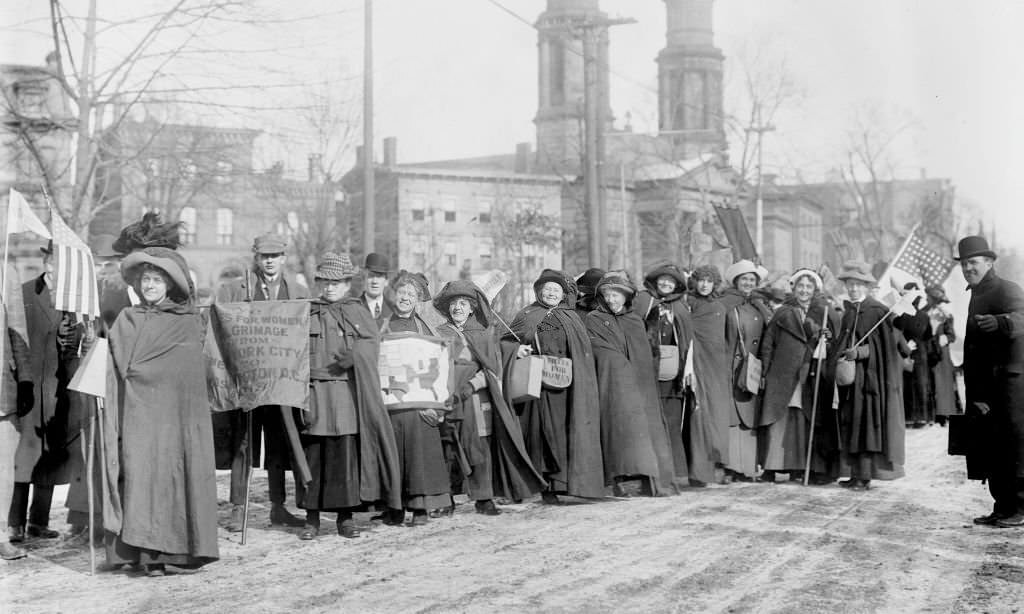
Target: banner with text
258	354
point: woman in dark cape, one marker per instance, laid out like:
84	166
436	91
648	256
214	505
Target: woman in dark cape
347	437
790	364
746	317
425	483
562	428
707	426
161	493
662	304
488	438
871	408
634	436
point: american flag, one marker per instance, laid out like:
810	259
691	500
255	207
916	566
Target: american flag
921	262
75	288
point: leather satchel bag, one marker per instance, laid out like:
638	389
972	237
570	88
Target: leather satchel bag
748	376
846	370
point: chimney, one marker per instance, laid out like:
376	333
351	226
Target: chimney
523	153
315	172
390	152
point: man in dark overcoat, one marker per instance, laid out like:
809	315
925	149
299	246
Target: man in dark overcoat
994	375
375	280
48	431
269	282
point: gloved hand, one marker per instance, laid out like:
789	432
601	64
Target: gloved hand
430	416
26	398
858	353
343	360
987	323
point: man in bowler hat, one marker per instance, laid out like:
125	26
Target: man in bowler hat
994	376
375	280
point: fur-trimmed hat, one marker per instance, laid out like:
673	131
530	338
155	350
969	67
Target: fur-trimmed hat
806	273
148	232
664	268
417	280
551	275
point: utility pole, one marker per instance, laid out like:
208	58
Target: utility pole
592	31
760	129
369	189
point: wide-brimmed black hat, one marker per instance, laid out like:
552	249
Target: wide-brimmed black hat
377	263
665	268
968	247
587	282
551	275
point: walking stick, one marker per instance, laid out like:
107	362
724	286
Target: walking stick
90	464
247	459
814	402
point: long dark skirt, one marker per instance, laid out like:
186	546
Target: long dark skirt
784	442
425	483
479	483
334	464
673	408
699	437
120	553
545	425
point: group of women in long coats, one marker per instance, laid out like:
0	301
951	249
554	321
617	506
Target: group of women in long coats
561	428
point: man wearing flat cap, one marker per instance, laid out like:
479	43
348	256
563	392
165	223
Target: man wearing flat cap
268	281
993	426
375	280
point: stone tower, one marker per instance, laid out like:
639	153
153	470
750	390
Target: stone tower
559	117
690	108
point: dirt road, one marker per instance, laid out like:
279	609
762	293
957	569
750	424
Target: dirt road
905	546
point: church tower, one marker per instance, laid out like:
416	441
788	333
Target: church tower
559	117
690	108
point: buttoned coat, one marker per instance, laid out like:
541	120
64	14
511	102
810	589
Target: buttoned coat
48	431
994	375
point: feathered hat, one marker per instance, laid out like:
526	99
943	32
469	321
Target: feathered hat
148	232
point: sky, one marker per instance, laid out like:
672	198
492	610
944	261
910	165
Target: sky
458	78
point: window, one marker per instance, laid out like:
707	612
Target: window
448	205
419	253
188	229
418	209
484	207
225	217
188	169
450	255
486	254
224	171
530	256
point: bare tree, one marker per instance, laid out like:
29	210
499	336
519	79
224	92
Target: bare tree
158	50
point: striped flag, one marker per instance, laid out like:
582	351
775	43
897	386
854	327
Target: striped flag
75	288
